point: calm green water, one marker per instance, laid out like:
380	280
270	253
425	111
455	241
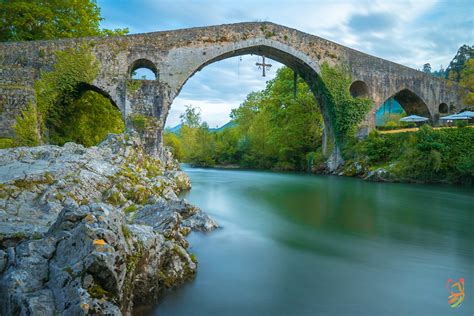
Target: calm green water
294	244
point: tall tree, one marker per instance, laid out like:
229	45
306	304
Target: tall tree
26	20
456	65
427	68
467	82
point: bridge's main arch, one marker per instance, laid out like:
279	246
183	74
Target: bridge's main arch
304	67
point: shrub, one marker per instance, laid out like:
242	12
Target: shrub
26	127
139	122
461	123
6	142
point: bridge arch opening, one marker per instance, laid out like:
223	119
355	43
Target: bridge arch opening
86	117
403	103
412	104
359	89
300	63
84	87
443	108
307	73
143	69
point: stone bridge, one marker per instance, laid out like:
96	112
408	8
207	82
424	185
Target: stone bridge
175	56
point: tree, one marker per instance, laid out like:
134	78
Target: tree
191	116
427	68
441	73
27	20
467	82
173	141
272	129
276	129
456	65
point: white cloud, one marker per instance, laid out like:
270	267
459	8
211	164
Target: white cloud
220	87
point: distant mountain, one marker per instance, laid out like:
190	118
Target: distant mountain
177	129
223	127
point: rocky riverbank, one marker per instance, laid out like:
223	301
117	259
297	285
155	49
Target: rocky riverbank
95	230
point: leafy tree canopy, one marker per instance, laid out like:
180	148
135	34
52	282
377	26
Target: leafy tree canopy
456	65
27	20
273	129
467	82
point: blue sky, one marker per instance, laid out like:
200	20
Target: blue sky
410	32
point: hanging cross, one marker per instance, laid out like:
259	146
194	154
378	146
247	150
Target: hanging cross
262	65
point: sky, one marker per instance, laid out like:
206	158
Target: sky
411	32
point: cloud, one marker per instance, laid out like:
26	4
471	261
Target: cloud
220	87
376	22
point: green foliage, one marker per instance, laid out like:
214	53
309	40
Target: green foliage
345	112
461	123
274	129
139	122
428	155
191	116
130	209
25	20
391	121
87	121
457	65
115	199
6	142
98	292
126	232
198	144
58	88
172	140
65	110
133	85
73	67
27	127
467	83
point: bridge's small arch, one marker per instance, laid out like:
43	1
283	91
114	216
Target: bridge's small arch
359	89
143	69
85	116
443	108
411	103
84	87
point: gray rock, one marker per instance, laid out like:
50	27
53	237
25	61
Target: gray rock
67	245
379	174
180	178
3	260
200	221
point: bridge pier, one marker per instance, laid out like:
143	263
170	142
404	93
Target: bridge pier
146	104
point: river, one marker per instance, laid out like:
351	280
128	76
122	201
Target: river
297	244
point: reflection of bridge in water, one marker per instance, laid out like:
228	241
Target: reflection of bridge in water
174	56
